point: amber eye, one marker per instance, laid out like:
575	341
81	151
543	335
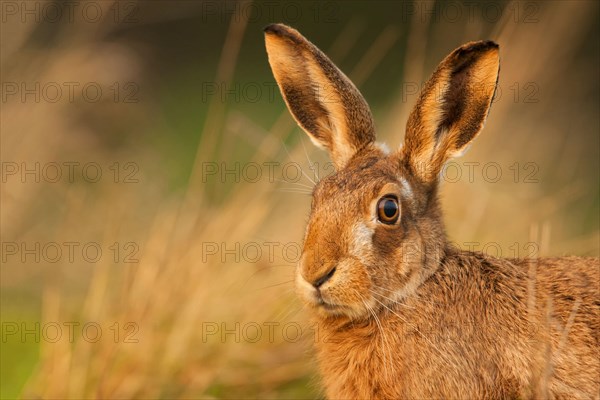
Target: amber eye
388	210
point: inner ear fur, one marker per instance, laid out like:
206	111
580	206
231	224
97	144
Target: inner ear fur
323	101
452	108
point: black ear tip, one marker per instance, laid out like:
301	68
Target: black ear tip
491	44
479	47
284	31
484	45
275	28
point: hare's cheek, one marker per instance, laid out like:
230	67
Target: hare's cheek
387	253
410	254
350	285
361	246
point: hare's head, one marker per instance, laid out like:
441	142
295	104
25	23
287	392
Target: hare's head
375	232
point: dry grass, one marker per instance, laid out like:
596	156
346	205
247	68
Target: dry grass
175	293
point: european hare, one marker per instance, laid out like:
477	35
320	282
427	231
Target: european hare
402	313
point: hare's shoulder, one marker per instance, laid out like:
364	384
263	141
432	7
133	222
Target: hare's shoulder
572	270
565	279
478	274
561	275
480	280
570	286
566	287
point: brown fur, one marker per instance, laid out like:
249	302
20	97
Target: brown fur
401	313
321	98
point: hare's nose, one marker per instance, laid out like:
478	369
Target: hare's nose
319	282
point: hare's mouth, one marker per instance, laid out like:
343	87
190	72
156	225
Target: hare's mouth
328	306
332	310
320	299
335	310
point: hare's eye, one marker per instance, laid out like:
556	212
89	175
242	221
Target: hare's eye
388	210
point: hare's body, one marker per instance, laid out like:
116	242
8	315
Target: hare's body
401	314
470	332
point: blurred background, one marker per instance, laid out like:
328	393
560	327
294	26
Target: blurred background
155	188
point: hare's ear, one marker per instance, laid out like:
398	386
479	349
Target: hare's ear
451	109
321	98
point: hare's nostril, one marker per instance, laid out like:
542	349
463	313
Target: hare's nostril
324	278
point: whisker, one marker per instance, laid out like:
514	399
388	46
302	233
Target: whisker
316	170
297	189
290	311
294	191
275	266
277	284
294	183
263	269
442	355
383	337
301	169
392	300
